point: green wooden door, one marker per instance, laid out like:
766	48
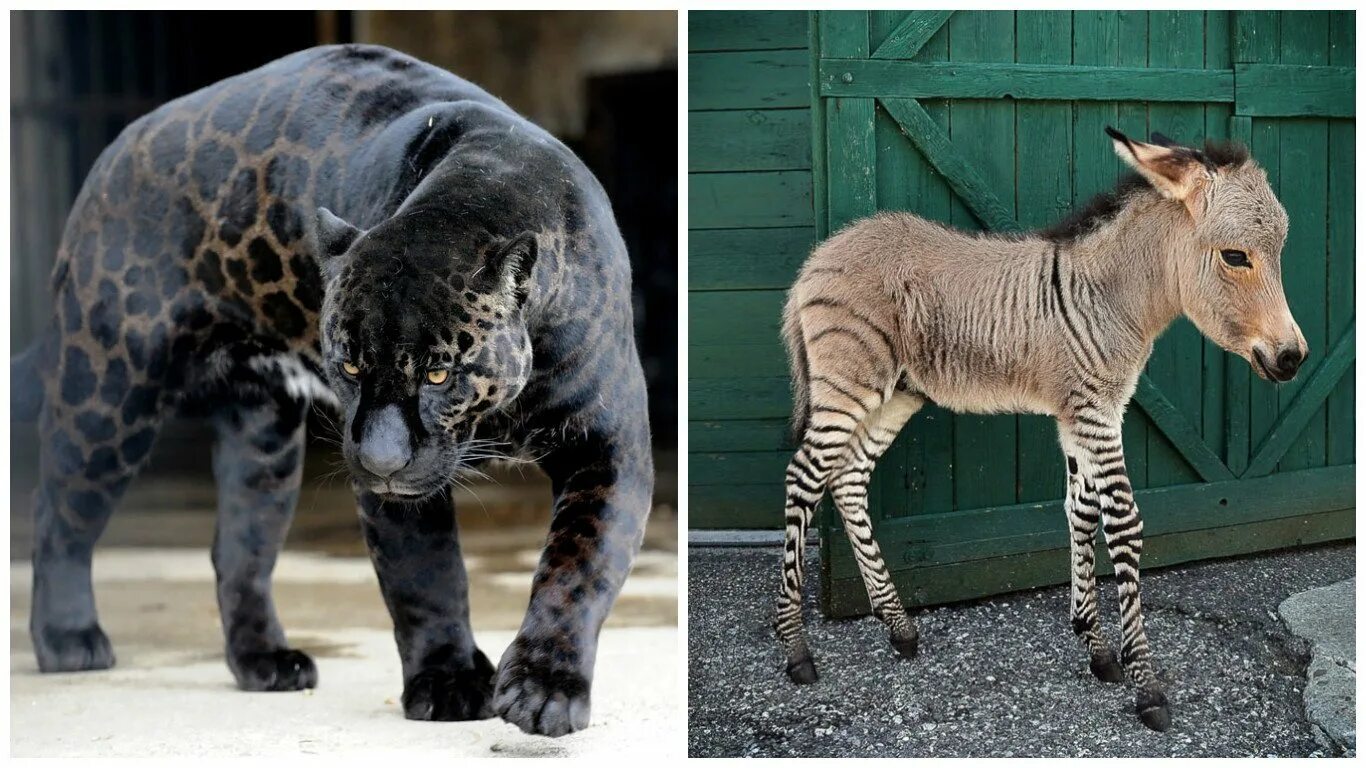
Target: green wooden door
801	122
993	120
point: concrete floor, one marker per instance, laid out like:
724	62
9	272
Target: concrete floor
171	693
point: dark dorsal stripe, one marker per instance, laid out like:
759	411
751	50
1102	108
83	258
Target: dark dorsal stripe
1105	206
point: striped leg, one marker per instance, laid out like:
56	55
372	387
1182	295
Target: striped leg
836	412
1083	518
849	488
1093	439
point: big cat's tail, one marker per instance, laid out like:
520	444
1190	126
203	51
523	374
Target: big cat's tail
796	360
26	383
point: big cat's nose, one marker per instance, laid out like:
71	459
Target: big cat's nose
1288	361
386	445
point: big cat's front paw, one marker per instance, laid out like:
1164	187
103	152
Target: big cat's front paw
540	698
448	693
283	669
72	650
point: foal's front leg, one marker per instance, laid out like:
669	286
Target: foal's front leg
1093	439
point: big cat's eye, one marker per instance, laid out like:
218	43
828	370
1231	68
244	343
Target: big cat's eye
350	368
438	376
1235	258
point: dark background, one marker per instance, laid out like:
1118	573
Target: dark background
605	83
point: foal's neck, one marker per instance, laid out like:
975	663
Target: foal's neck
1131	259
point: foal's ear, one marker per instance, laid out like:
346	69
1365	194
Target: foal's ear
1173	170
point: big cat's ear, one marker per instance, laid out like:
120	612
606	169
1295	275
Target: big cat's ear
1173	170
331	236
514	259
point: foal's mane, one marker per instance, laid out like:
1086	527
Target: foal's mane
1106	205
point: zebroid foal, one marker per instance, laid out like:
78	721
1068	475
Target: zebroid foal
895	311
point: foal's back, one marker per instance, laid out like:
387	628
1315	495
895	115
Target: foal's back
967	317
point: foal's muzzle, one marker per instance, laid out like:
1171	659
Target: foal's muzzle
1282	367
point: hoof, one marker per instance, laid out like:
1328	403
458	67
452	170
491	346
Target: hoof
284	669
906	647
1153	711
73	650
802	671
1106	667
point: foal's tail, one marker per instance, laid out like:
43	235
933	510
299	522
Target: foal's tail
796	360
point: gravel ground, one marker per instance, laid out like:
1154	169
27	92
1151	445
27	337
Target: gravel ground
1006	676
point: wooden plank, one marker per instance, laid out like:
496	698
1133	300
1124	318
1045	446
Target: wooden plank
850	192
984	464
731	436
1237	378
1287	90
1341	441
745	30
843	34
1043	183
735	317
1131	49
819	176
749	140
748	80
960	173
724	398
1255	36
845	597
737	361
911	35
738	467
1308	404
1214	360
917	470
1176	39
914	80
748	200
742	506
989	532
1264	404
742	259
1304	193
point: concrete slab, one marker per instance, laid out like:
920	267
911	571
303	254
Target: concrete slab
171	693
1326	617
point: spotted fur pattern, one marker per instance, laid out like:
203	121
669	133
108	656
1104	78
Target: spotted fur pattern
895	311
230	251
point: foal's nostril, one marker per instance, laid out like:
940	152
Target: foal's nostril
1289	359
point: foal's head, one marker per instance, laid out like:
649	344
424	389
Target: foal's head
1230	282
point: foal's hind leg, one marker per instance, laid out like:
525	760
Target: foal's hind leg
849	488
257	463
835	414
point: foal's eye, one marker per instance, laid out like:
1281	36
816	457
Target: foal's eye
438	376
1235	258
350	368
